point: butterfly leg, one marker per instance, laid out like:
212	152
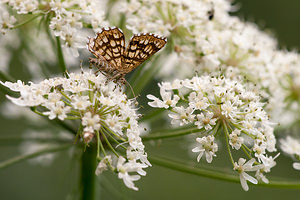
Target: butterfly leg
118	77
101	64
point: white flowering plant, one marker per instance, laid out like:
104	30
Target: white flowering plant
223	86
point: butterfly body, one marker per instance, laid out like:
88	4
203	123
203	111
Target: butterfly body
113	59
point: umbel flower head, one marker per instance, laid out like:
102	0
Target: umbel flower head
291	146
66	18
215	105
105	114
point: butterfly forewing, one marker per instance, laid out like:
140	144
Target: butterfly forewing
109	46
140	48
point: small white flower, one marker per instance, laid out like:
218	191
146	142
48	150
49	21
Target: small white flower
102	166
91	121
81	102
242	167
58	110
198	101
229	110
166	101
259	148
6	21
115	123
26	6
205	121
137	155
234	140
182	115
290	146
54	98
265	167
123	169
207	146
176	84
18	86
56	24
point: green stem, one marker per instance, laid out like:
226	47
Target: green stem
66	96
20	158
60	55
122	22
216	173
151	115
108	143
98	145
245	148
169	134
114	140
57	121
215	130
78	134
88	177
64	125
112	132
27	21
227	143
6	140
5	77
7	91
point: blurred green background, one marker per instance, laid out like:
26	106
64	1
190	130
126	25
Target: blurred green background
25	181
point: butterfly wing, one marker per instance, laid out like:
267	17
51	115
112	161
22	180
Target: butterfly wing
140	48
108	46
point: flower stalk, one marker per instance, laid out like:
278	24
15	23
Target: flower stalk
60	56
88	178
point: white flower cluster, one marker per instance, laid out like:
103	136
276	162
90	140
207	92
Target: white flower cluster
206	39
167	17
6	21
67	18
214	104
291	146
105	113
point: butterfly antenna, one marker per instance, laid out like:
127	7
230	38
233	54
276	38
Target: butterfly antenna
130	88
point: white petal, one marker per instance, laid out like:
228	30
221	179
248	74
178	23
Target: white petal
199	156
296	166
197	149
244	183
151	97
249	178
208	157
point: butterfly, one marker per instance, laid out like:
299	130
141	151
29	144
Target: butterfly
113	59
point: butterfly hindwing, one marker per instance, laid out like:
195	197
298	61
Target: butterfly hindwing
140	48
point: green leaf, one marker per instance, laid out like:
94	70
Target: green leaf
215	173
20	158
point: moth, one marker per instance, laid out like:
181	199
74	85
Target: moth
114	59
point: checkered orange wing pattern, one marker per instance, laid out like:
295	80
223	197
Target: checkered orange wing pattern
111	56
140	48
108	46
